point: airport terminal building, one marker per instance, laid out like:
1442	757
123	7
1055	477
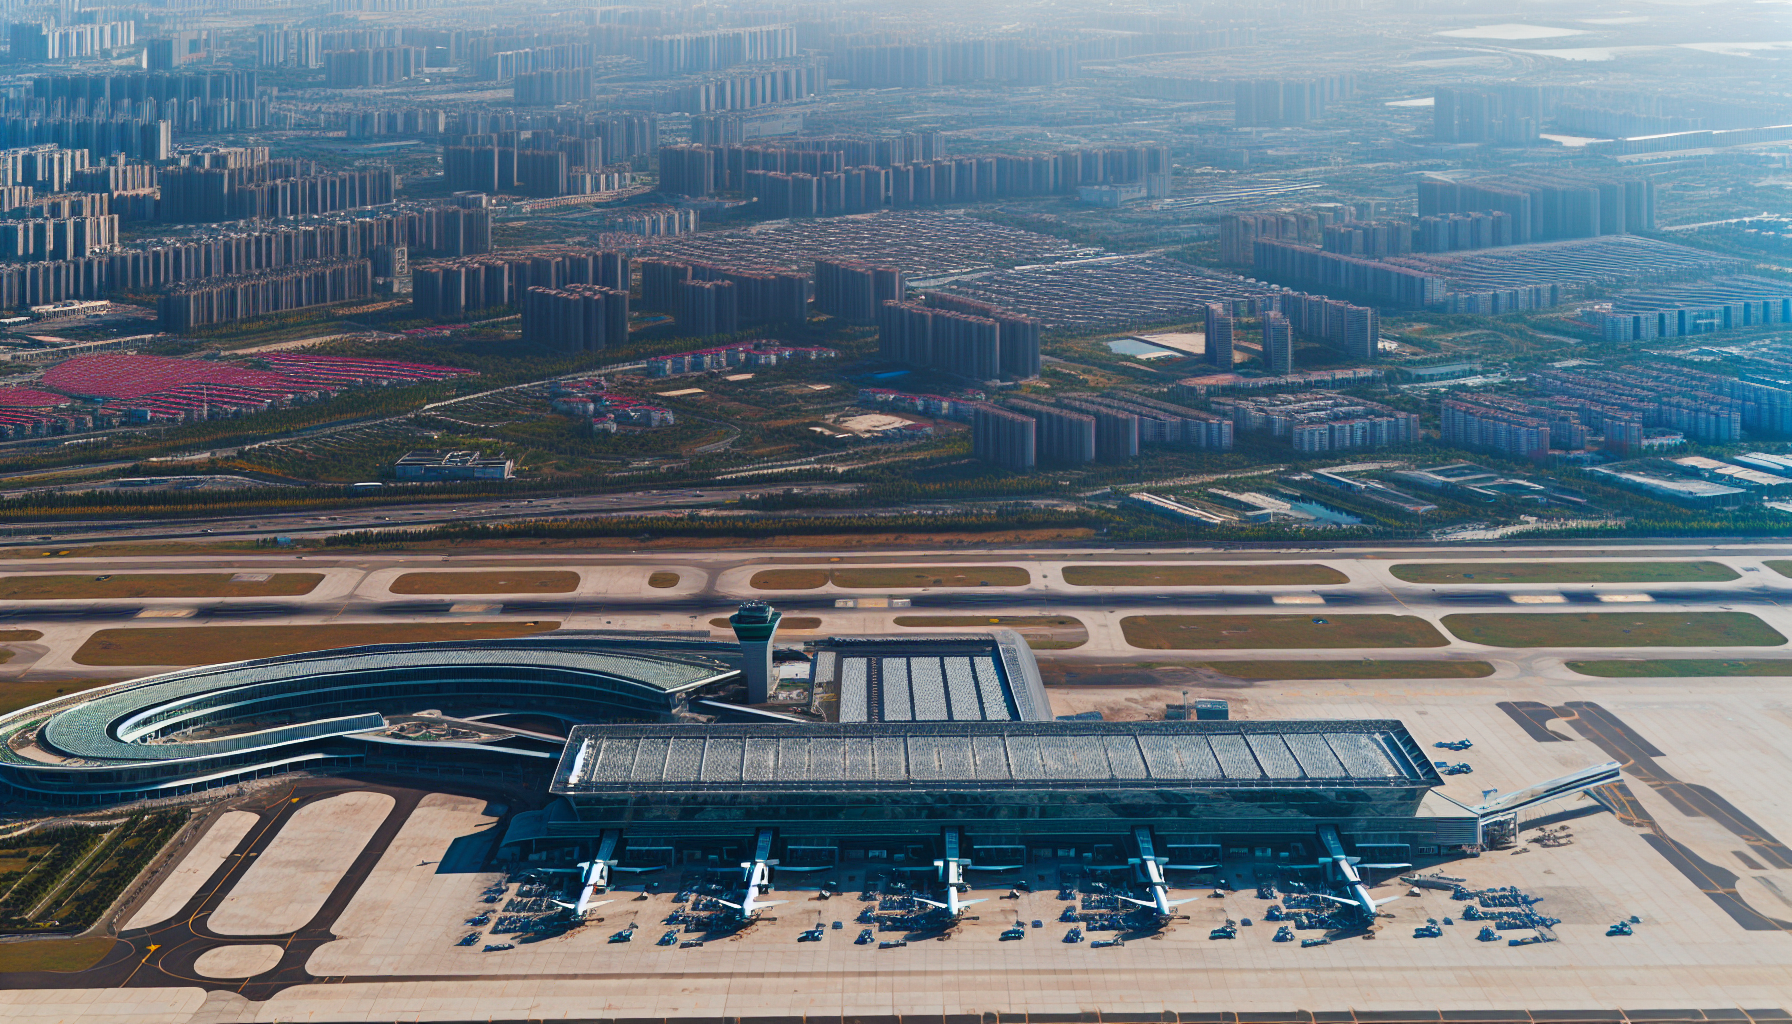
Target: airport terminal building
857	748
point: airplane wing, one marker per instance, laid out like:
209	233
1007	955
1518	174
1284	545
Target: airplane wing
1190	867
1336	899
1142	903
1390	899
725	903
929	902
966	903
993	867
1385	867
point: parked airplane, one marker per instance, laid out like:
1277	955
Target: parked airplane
757	878
1151	872
1343	869
952	869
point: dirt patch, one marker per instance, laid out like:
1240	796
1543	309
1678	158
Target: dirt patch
205	645
504	582
662	580
1248	574
182	584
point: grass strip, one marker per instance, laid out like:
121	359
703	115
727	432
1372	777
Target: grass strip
1246	574
1263	632
1564	572
1615	629
505	581
205	645
171	584
1657	668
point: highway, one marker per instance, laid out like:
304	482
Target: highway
385	517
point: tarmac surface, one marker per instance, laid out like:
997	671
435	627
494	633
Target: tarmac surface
1697	849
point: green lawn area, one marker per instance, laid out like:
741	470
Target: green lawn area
1262	632
54	954
172	584
894	578
1615	629
1358	669
662	580
208	645
1565	572
1244	574
1781	566
16	694
1671	667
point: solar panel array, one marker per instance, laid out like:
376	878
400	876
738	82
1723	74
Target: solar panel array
1032	756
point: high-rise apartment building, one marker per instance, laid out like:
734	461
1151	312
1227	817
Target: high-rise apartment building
856	291
1064	437
1006	439
1218	324
706	308
1278	344
1495	427
576	317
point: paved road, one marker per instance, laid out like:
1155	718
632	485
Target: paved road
385	517
163	955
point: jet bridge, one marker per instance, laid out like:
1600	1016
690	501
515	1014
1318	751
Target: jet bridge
1497	816
1151	872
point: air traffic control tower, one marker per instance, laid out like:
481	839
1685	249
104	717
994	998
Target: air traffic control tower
754	626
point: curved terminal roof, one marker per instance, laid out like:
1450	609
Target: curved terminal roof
151	734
